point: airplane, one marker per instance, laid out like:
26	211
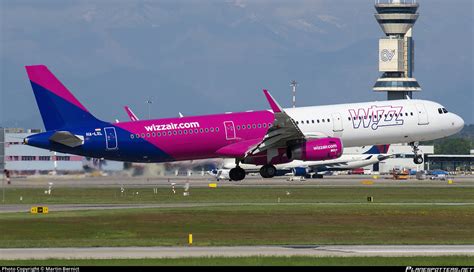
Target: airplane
265	137
304	168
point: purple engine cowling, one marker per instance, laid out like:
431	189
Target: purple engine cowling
316	150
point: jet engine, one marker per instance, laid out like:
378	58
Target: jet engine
316	150
299	171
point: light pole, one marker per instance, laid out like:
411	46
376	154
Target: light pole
149	102
294	84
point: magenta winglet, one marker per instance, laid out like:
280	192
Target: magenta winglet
40	75
130	113
273	104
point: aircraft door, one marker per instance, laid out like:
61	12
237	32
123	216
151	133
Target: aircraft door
422	114
229	130
337	122
110	138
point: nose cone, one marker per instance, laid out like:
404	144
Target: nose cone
457	123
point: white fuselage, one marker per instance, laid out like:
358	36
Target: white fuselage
379	122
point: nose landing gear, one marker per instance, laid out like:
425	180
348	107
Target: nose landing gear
418	159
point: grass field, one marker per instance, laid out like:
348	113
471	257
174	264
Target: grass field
241	195
298	218
243	225
258	261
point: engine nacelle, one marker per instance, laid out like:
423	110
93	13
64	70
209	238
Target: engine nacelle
316	150
299	171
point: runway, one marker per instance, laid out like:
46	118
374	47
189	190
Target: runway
238	251
82	181
13	208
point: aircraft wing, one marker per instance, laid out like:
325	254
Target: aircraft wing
283	130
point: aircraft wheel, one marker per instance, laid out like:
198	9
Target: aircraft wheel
418	159
237	174
268	171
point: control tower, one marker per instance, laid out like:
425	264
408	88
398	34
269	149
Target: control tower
396	49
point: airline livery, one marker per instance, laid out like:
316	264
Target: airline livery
266	138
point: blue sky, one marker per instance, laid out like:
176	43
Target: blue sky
201	57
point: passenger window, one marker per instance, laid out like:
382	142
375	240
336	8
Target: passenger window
329	120
185	131
207	130
312	121
190	131
411	113
254	126
317	121
153	134
180	132
169	133
248	126
143	135
307	121
238	127
322	120
406	113
297	122
196	131
269	125
264	125
201	130
212	129
217	129
137	135
132	136
348	118
174	132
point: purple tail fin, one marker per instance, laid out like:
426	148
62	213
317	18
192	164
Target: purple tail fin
58	107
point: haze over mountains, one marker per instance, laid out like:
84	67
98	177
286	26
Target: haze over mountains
201	57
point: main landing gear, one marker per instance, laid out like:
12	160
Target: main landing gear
237	173
418	159
268	171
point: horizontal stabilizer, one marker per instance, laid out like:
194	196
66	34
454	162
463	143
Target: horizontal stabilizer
67	138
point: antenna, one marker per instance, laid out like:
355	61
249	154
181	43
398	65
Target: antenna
293	84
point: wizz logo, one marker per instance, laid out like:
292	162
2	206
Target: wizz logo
375	117
387	55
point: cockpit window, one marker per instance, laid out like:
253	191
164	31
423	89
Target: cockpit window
445	110
440	110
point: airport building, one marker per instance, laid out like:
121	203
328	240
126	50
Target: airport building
396	49
23	159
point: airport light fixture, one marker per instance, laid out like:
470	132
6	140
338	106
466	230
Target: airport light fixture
293	84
